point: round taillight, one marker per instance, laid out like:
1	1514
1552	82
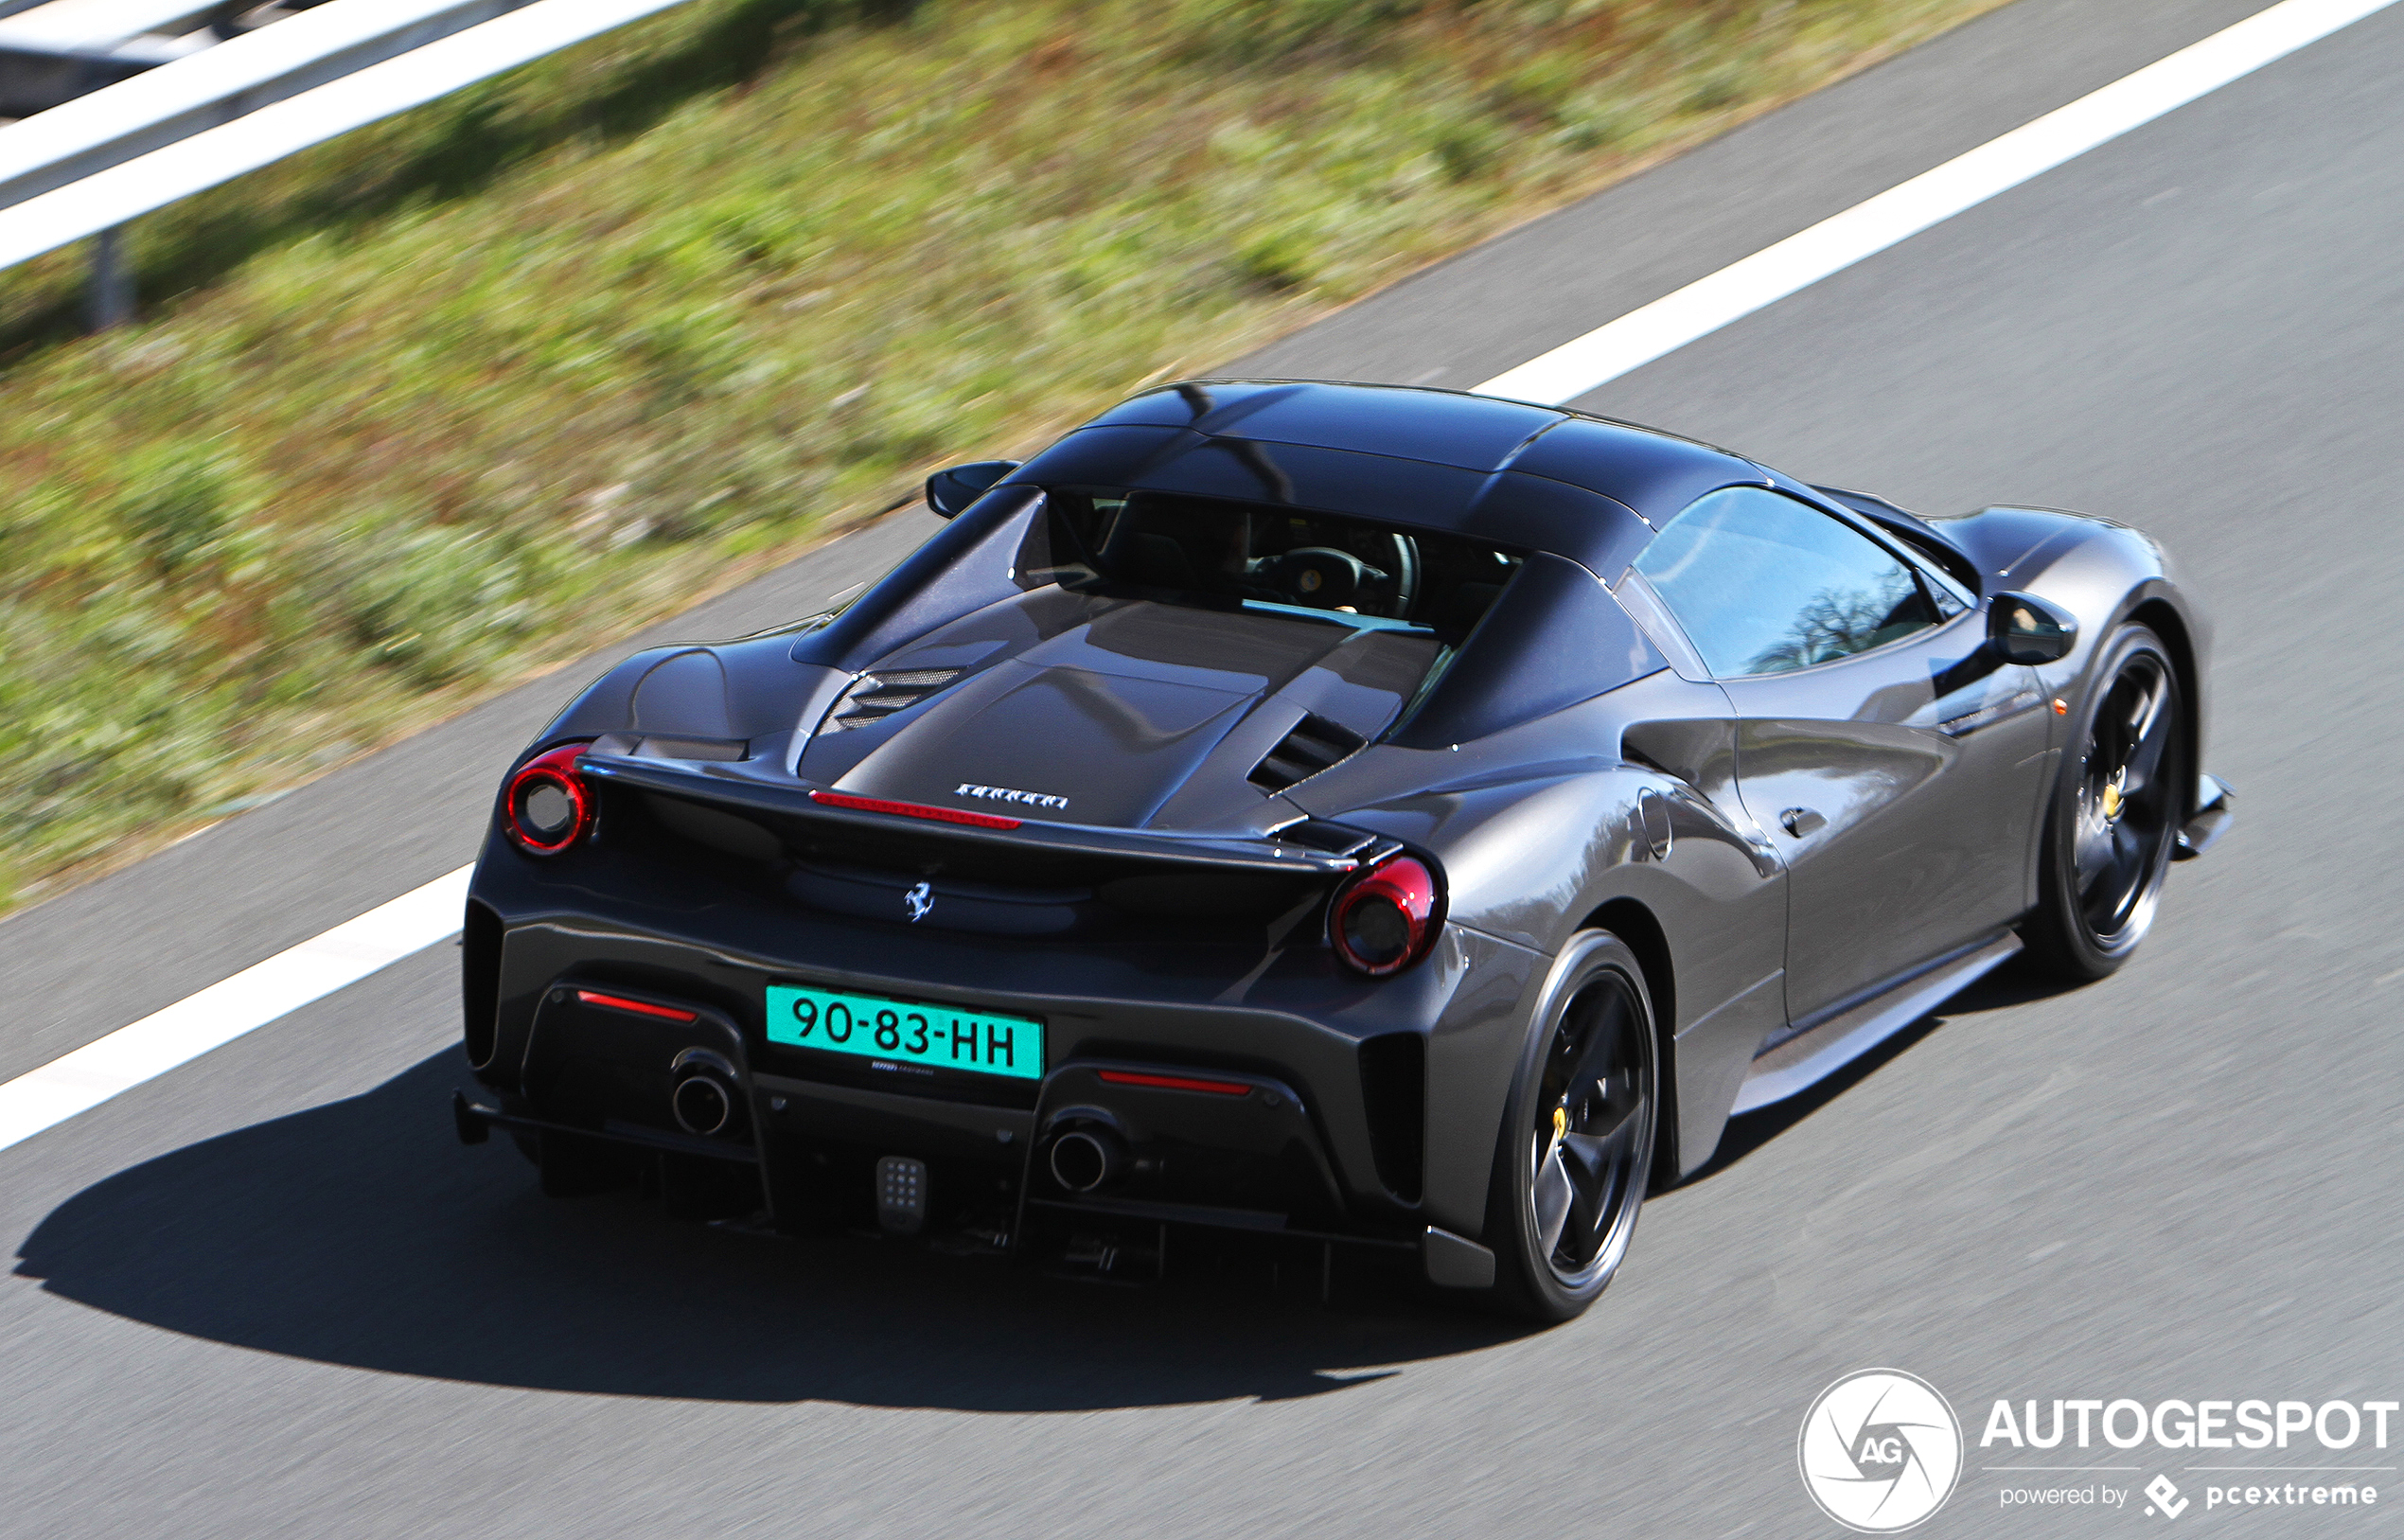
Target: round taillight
548	807
1384	919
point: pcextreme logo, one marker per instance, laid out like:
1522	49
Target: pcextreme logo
1880	1450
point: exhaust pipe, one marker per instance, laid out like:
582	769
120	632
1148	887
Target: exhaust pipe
1087	1160
704	1098
701	1104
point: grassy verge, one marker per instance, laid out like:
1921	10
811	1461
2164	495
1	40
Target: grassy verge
422	410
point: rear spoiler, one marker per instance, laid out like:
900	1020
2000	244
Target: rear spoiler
1306	847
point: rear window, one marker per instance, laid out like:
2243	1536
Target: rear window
1216	553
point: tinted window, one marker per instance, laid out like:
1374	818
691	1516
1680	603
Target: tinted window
1215	554
1763	584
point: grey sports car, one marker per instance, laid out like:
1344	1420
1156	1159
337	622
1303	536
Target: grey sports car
1371	819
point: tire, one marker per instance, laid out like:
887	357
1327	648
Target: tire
2112	824
1571	1170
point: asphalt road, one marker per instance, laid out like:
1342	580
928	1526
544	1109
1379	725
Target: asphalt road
265	1294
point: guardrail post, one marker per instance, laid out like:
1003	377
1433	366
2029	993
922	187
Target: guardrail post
108	302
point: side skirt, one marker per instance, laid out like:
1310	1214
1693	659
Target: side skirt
2211	821
1792	1063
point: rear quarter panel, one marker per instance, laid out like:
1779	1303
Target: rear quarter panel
1535	848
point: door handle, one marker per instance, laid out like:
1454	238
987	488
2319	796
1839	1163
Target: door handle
1801	821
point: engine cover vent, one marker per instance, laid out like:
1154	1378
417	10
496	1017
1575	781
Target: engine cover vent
1315	744
874	697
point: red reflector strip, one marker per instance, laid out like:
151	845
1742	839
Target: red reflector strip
912	809
619	1003
1216	1088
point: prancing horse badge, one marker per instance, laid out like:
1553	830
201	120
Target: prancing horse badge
920	901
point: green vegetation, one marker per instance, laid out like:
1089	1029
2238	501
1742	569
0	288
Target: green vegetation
438	403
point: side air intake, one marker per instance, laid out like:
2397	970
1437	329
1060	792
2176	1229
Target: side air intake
480	979
1315	745
1394	1090
874	697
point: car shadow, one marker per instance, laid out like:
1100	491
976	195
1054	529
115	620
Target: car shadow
361	1233
2017	982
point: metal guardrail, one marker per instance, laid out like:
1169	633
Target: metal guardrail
97	24
33	78
220	84
87	166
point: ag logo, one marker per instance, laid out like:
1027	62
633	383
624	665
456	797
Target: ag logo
1879	1451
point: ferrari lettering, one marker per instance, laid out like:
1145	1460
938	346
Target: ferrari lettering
1004	793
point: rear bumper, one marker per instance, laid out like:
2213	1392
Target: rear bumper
1360	1111
1447	1260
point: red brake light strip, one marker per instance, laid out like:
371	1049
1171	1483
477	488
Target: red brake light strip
1217	1088
619	1003
913	809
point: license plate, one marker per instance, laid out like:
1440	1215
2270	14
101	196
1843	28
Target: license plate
871	1027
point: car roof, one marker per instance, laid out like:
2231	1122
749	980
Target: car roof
1580	486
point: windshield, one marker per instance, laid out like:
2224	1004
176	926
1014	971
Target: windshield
1218	554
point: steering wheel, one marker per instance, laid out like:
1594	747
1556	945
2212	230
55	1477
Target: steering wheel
1406	565
1320	575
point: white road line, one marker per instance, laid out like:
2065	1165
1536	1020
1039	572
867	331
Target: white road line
46	1097
1903	211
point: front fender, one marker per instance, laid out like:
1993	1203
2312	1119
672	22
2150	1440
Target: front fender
2105	574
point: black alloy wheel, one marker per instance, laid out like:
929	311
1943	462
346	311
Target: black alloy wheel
2114	821
1576	1157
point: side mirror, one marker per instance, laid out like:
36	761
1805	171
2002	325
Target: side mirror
2027	630
952	490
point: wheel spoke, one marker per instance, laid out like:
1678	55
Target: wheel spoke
1555	1193
1587	1156
1594	1168
2149	711
2146	760
2094	851
1594	1056
2097	885
1616	1117
2120	875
